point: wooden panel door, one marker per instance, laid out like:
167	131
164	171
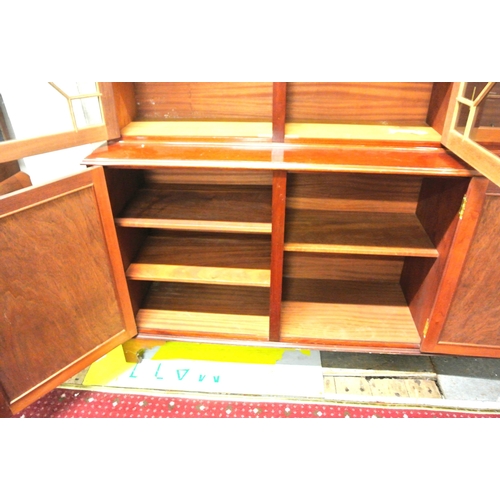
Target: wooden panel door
63	294
466	317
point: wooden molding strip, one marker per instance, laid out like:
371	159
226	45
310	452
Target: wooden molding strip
21	148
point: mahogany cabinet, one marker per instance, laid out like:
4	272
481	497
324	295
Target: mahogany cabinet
317	215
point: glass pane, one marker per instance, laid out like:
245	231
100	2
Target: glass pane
87	112
473	89
77	88
34	109
486	128
463	113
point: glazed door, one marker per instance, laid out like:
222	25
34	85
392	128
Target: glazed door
472	126
63	294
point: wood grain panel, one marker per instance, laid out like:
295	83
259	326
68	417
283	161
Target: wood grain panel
214	208
62	289
213	324
347	102
277	242
330	311
125	102
437	210
204	101
251	301
351	192
209	176
217	259
15	182
221	311
342	267
356	232
473	319
153	154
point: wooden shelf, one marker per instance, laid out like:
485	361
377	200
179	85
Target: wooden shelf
152	154
398	234
346	311
245	209
204	258
239	312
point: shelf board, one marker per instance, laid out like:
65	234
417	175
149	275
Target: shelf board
204	258
346	311
398	234
244	209
354	132
193	129
206	309
314	157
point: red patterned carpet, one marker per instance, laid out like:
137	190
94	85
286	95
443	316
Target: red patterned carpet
64	403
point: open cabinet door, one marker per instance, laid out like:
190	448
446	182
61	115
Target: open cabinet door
472	126
466	316
63	294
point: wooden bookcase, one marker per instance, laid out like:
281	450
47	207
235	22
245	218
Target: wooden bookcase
311	215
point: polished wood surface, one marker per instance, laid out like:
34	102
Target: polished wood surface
204	258
20	148
342	267
438	105
356	233
348	311
109	108
348	192
471	325
277	252
8	169
362	135
196	309
386	160
15	182
362	102
456	262
204	101
438	212
195	131
63	290
279	111
200	208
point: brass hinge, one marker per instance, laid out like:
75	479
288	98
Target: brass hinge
462	208
426	327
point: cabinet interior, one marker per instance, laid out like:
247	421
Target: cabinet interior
311	111
306	213
357	250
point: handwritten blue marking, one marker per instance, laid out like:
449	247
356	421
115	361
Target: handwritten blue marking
158	371
179	376
133	372
217	378
200	379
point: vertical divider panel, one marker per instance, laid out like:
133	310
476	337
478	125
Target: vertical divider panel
277	249
279	111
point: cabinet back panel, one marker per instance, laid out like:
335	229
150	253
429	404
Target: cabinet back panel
353	192
209	176
231	101
342	267
363	103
